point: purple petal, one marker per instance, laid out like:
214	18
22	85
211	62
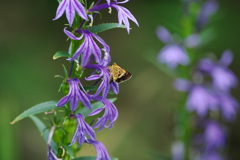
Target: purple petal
70	35
70	12
115	87
61	8
80	9
164	35
226	58
172	55
96	111
63	101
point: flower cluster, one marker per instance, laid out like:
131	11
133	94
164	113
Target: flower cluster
88	51
206	81
213	94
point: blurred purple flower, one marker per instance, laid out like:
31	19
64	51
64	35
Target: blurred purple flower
207	10
228	105
200	99
83	129
177	151
104	74
172	55
88	47
214	136
70	7
123	14
75	95
192	41
110	115
164	35
223	78
102	153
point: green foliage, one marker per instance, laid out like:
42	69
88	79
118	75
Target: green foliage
60	54
104	27
39	108
43	130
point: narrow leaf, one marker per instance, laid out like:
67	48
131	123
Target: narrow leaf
95	106
39	108
91	158
60	54
104	27
43	130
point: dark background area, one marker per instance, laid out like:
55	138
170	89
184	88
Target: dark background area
28	40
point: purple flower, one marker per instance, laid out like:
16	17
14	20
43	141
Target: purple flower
200	99
214	136
105	85
110	115
70	7
172	55
228	105
51	155
223	78
164	35
207	10
123	14
83	129
102	153
75	95
88	47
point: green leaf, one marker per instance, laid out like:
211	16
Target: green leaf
60	54
43	130
91	158
104	27
39	108
84	111
69	150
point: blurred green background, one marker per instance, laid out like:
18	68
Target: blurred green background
145	127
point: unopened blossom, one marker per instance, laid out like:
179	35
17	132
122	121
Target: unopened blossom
201	99
173	53
75	95
83	130
104	76
110	114
88	47
102	153
123	14
71	7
